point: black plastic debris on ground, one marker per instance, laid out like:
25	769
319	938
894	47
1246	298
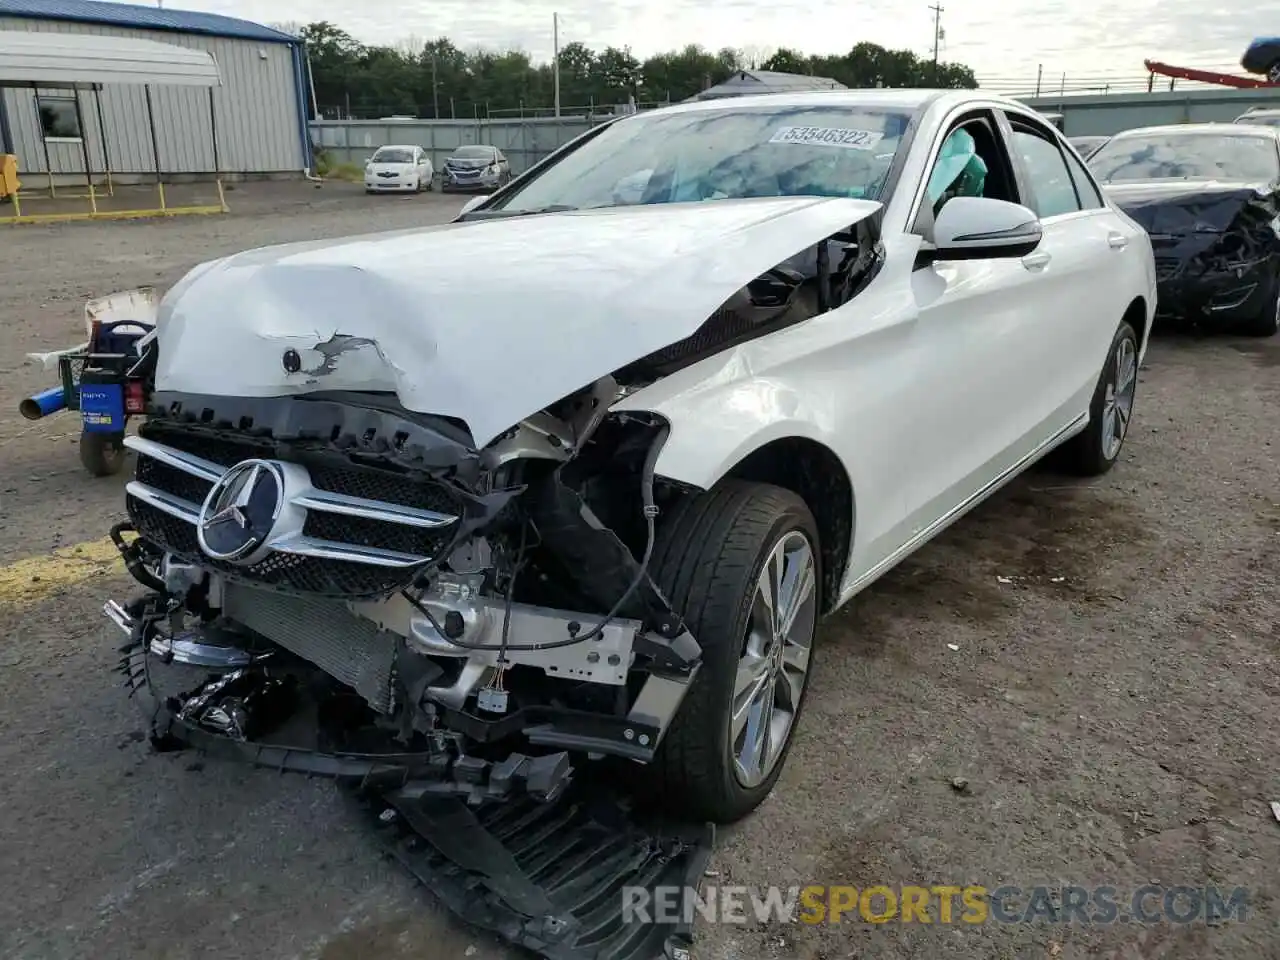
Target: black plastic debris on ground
561	877
555	878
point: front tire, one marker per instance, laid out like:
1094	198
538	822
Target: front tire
720	557
1267	322
1273	72
1096	450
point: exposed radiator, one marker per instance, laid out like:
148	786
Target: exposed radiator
325	632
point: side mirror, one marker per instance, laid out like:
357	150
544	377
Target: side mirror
473	203
979	228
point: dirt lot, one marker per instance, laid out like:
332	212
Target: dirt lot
1098	661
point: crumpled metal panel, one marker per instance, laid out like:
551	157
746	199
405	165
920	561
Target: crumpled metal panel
1212	241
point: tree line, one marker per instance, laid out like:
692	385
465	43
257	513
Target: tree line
437	79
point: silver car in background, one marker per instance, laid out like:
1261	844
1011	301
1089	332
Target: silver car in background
476	167
1260	117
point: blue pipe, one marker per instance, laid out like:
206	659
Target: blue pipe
43	403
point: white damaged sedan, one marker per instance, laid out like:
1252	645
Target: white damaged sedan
737	359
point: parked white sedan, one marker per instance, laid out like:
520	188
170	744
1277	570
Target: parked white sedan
399	169
722	366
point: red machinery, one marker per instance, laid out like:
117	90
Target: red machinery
1155	68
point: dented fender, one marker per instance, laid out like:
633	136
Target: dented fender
714	430
826	381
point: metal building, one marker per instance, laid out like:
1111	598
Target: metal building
260	110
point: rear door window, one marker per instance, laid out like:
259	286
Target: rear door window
1051	188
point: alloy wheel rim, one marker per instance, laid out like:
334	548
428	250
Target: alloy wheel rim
774	664
1117	407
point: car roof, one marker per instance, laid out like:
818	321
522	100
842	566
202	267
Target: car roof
1226	129
1259	112
908	100
398	146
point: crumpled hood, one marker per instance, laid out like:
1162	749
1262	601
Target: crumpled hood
1181	207
488	321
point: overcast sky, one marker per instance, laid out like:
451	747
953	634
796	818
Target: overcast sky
1000	39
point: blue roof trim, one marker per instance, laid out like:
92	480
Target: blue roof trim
143	18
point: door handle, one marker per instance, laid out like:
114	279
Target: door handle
1117	241
1036	261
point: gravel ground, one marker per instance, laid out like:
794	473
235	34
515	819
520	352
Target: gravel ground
1097	661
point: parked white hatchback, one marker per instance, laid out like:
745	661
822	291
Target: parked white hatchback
707	372
399	169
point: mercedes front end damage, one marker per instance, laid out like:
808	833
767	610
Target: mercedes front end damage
476	594
387	542
1208	196
1217	249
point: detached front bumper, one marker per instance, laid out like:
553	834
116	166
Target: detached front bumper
514	846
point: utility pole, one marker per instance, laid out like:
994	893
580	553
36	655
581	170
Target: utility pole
435	90
555	44
937	37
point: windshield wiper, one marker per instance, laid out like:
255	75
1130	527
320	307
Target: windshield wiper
495	214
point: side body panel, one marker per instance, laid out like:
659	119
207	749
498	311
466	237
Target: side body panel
933	386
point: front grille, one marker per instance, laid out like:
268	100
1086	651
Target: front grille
366	529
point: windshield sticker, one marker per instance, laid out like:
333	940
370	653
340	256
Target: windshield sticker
828	137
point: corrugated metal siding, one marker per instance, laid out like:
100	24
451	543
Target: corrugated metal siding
257	112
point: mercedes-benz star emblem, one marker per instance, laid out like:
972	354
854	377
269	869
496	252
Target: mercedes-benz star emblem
240	511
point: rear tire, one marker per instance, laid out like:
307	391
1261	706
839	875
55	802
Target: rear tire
102	454
1096	450
708	561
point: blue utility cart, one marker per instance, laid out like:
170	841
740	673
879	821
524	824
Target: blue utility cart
106	380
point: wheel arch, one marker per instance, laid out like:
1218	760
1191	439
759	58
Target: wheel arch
809	468
813	472
1137	315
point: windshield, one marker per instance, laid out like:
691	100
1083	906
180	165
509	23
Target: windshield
473	153
393	155
1187	156
724	153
